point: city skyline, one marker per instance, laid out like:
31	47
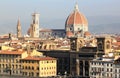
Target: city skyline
53	14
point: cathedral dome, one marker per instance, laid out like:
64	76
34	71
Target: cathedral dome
76	18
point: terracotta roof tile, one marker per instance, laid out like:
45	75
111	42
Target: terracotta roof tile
9	52
38	58
76	18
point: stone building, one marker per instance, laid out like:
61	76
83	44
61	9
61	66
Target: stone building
10	62
105	67
38	66
30	63
76	61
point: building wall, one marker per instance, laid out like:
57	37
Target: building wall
10	65
101	69
36	53
37	68
6	48
23	55
48	68
30	68
116	71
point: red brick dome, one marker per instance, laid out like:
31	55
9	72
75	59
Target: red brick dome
76	18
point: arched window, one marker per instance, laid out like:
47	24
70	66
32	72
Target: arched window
29	67
45	46
32	68
25	67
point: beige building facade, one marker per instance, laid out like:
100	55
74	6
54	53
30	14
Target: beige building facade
27	64
10	62
36	66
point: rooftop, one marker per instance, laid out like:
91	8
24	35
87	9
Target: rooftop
38	58
11	52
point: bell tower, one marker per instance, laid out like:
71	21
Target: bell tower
35	25
19	33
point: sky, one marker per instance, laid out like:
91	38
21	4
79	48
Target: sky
53	13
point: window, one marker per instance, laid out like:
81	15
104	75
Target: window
111	65
29	67
25	67
37	68
16	66
12	66
32	68
107	70
111	70
45	68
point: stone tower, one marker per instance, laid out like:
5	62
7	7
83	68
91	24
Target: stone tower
76	43
19	33
34	32
104	44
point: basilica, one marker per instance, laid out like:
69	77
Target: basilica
76	25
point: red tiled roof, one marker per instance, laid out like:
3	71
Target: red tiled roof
117	43
2	41
38	58
15	41
69	34
87	33
8	52
76	18
45	30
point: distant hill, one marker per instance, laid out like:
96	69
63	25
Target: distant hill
105	28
